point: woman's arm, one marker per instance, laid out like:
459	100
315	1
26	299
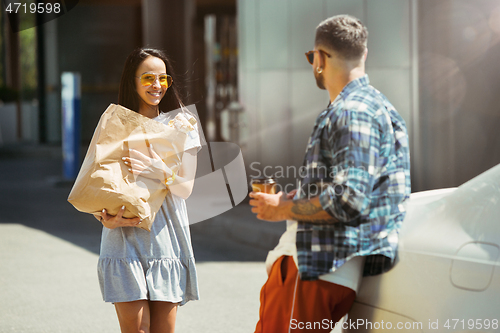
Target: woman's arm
154	168
184	179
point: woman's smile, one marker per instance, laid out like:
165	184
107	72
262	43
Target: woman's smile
153	91
156	93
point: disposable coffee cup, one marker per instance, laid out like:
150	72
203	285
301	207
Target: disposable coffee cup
263	184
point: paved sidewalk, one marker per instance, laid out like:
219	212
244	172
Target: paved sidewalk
238	223
49	252
49	285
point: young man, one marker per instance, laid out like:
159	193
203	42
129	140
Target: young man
357	159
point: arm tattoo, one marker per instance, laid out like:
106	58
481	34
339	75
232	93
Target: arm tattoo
310	212
305	208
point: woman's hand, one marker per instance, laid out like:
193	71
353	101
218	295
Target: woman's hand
116	221
150	167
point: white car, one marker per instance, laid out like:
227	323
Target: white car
447	274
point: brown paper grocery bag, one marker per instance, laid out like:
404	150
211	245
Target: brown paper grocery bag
104	181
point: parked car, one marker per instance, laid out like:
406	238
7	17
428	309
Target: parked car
447	274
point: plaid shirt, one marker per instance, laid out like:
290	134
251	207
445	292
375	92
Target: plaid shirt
357	160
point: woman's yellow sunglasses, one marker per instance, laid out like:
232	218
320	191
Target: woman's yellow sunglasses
148	79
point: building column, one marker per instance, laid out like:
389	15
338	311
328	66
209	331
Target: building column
168	25
12	65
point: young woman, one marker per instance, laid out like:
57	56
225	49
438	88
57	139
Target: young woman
148	274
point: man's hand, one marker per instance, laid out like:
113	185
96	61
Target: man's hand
291	194
274	207
270	207
112	222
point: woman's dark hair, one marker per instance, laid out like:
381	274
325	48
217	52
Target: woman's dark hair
128	96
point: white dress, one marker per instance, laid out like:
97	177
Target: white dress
135	264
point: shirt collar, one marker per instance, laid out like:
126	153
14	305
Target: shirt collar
355	84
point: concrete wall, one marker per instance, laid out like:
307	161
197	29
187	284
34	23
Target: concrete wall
276	83
9	123
94	40
459	80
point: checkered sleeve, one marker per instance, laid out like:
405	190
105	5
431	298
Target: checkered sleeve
353	144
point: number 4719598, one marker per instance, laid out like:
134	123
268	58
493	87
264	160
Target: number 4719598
471	324
33	8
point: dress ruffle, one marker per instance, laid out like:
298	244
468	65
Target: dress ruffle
135	264
164	279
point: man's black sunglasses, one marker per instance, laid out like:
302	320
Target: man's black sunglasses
310	55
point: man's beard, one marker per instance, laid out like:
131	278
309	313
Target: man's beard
320	80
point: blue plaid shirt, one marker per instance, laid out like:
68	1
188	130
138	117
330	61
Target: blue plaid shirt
357	160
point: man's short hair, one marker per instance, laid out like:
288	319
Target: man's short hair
343	34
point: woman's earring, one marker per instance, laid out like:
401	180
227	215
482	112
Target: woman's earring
319	70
